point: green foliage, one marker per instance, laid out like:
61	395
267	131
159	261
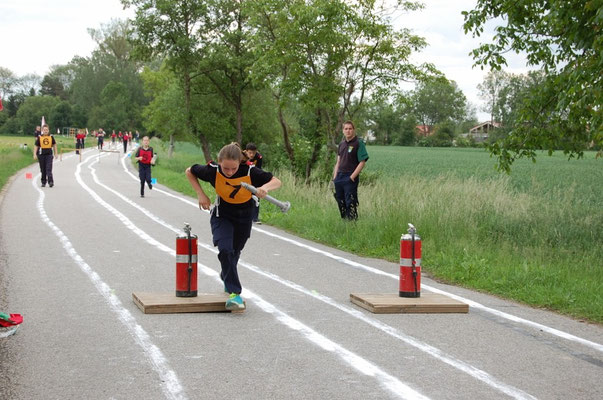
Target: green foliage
563	38
31	111
60	116
438	101
326	55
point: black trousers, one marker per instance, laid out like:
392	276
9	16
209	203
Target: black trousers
346	194
144	173
45	161
125	146
230	237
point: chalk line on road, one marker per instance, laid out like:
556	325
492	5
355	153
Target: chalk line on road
170	383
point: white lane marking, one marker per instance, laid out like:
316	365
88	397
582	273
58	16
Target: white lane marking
389	382
431	350
472	303
170	384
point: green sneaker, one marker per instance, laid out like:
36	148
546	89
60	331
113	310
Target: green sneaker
235	303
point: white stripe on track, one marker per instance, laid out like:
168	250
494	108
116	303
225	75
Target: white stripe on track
170	384
422	346
472	303
389	382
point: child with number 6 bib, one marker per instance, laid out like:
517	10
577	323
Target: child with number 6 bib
43	153
232	213
144	156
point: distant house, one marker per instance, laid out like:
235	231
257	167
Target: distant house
481	131
424	130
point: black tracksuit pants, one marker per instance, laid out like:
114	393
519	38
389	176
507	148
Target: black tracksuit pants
144	173
45	161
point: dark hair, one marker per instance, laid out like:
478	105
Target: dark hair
348	122
230	152
251	146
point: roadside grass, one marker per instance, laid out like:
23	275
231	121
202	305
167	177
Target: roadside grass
533	236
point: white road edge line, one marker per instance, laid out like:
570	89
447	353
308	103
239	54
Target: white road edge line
170	383
536	325
389	382
422	346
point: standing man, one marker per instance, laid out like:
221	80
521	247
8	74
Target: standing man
100	136
43	153
37	132
255	158
351	158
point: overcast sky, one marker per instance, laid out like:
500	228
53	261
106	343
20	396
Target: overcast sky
35	34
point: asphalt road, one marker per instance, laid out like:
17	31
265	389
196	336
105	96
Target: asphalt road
71	256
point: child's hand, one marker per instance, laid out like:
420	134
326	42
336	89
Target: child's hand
204	202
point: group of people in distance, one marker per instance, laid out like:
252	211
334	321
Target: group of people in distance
235	209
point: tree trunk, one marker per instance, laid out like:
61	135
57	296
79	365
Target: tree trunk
240	123
171	148
285	128
189	117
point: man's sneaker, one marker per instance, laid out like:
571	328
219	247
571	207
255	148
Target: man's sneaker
142	195
235	303
150	187
43	185
51	184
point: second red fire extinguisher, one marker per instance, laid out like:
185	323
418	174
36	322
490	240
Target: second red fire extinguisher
410	263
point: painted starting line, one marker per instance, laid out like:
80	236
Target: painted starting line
472	303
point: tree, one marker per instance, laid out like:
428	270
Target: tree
385	122
490	89
438	101
57	81
168	28
31	111
564	39
110	62
7	82
116	110
227	54
60	116
325	56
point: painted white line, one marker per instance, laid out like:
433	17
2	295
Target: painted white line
501	314
387	381
471	303
430	350
170	384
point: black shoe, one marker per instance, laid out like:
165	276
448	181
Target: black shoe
51	184
142	195
43	185
150	187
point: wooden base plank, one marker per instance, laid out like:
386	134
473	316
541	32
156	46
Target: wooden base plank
392	303
165	303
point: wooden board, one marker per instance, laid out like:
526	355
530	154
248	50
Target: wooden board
391	303
165	303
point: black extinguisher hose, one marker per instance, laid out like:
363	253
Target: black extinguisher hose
414	267
190	260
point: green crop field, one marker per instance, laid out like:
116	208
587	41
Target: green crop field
533	236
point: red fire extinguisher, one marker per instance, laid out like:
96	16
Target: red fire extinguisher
410	263
186	264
